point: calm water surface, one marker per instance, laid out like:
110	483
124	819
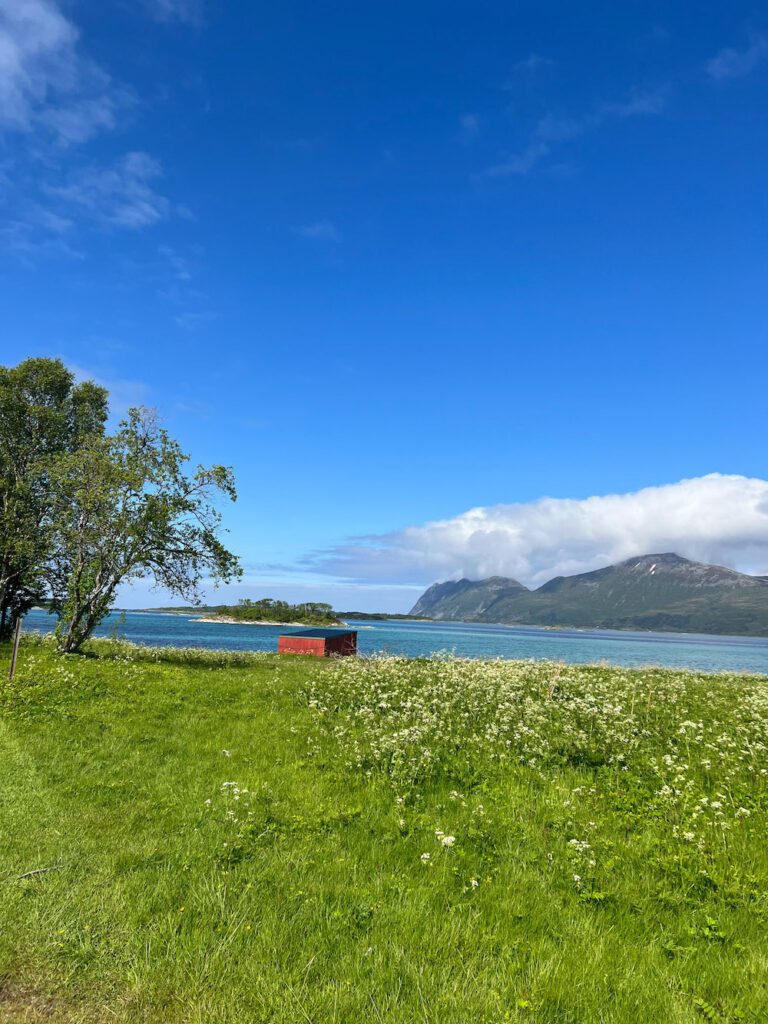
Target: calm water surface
421	639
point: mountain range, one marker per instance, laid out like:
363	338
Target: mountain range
658	592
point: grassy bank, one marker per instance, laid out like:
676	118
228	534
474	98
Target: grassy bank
247	838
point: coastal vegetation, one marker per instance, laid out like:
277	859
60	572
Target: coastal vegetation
311	613
383	616
649	592
193	836
83	512
44	416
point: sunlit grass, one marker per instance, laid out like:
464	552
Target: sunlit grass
246	838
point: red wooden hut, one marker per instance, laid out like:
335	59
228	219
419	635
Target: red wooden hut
321	642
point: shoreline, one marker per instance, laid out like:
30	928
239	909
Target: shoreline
263	622
611	631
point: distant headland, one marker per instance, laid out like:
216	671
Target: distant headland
662	592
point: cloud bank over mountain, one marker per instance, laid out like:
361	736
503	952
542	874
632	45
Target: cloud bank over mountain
722	519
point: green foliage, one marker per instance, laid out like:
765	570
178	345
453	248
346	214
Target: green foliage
43	415
382	616
269	610
241	837
126	509
656	592
81	512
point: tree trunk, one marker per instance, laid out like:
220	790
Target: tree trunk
85	620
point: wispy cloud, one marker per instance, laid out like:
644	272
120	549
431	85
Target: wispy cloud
178	273
53	99
191	320
552	131
188	11
733	63
38	47
637	103
123	195
469	127
532	63
29	243
124	392
46	82
320	230
178	265
520	163
80	120
715	518
49	220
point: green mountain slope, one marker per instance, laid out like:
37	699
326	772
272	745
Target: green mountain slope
659	591
466	600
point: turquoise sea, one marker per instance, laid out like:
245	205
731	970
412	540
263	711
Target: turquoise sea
469	640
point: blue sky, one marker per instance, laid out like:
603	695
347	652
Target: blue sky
396	262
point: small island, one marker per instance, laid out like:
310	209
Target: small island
269	612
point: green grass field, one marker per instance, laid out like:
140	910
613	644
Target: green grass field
243	838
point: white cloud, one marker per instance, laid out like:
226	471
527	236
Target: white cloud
37	54
82	119
37	238
122	195
520	163
320	230
51	221
189	11
178	265
551	131
716	518
732	63
53	98
637	103
532	63
124	392
191	320
45	80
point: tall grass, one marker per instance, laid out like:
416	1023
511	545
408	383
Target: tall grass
246	838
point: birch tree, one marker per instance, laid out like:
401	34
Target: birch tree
128	508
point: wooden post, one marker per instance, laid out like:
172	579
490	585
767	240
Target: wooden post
15	650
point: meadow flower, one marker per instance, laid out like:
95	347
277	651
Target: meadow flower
425	857
459	719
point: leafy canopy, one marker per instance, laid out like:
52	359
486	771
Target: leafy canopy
44	414
126	509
